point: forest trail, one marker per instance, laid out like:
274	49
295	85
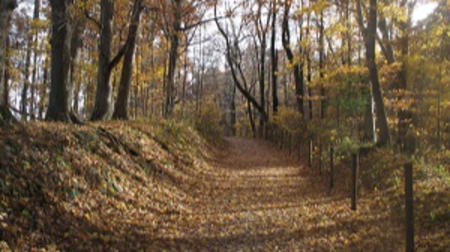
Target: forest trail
257	198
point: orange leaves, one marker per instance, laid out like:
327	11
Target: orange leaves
180	193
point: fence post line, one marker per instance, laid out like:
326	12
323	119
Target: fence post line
409	207
355	168
320	157
280	138
289	143
299	139
331	168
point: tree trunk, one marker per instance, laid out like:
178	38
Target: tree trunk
369	35
6	8
323	101
59	107
263	116
121	107
348	32
26	81
298	72
406	136
4	83
309	68
233	110
37	6
43	91
274	59
104	88
173	56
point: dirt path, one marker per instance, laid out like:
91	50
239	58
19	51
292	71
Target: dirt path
257	199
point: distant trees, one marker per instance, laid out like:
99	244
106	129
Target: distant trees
131	59
234	57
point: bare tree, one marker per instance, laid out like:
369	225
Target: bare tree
233	56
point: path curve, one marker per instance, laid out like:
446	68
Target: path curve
257	198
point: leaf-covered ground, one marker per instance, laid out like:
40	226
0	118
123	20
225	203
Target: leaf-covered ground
159	186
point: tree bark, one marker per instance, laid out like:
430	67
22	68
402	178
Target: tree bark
26	82
121	107
369	35
309	68
43	91
406	138
323	102
59	108
233	110
274	59
104	88
262	64
6	8
298	69
173	56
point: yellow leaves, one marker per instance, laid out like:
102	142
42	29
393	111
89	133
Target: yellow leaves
390	10
26	165
122	206
289	119
314	7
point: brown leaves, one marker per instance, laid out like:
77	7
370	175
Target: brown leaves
78	192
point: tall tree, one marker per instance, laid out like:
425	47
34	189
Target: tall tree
59	108
26	76
103	94
121	107
297	66
369	33
262	27
174	41
406	136
37	6
6	8
400	83
274	57
323	102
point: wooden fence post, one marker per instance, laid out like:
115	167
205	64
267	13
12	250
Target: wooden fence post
409	207
331	185
310	153
320	157
299	139
280	138
355	168
289	143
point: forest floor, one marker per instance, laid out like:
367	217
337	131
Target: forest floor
260	199
159	186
